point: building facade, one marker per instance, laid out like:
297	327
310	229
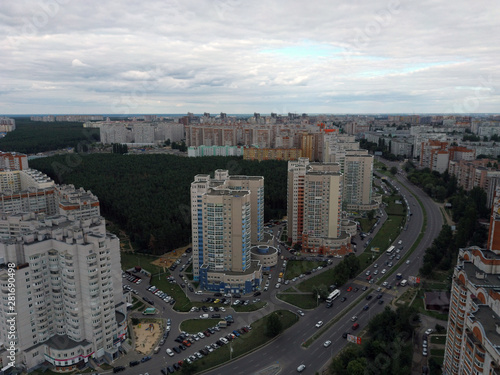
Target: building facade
314	206
68	291
253	153
358	175
66	270
473	337
227	216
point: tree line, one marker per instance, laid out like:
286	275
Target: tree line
148	196
467	207
31	137
386	349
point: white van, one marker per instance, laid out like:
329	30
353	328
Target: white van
404	282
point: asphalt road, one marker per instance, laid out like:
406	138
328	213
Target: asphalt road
286	351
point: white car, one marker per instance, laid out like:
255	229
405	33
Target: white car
198	292
170	352
300	312
408	261
429	331
319	324
222	309
278	285
327	344
385	283
301	368
384	271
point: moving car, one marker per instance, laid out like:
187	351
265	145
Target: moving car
319	324
301	368
327	344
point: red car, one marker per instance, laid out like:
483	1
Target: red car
349	289
369	277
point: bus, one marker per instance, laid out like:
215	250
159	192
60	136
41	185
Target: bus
390	250
333	295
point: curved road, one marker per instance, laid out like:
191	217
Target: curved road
286	352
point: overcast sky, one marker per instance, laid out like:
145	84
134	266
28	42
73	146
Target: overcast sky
235	56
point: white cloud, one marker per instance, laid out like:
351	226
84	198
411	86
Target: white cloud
77	62
240	56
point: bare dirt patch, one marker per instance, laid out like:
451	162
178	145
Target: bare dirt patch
147	334
166	260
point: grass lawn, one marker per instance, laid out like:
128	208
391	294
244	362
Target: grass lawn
407	296
250	307
295	267
392	207
438	339
367	257
198	325
322	279
138	306
304	301
247	342
437	352
389	231
366	224
130	260
182	301
418	303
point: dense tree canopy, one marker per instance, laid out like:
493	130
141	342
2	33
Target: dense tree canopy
467	207
149	195
31	137
386	349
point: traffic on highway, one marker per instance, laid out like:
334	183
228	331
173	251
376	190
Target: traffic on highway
336	322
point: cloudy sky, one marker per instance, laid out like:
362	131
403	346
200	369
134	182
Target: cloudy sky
235	56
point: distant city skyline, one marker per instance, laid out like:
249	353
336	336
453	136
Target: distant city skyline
153	57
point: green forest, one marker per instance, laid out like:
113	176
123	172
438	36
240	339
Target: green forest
31	137
148	196
385	349
467	208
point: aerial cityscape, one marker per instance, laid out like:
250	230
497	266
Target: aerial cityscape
249	188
